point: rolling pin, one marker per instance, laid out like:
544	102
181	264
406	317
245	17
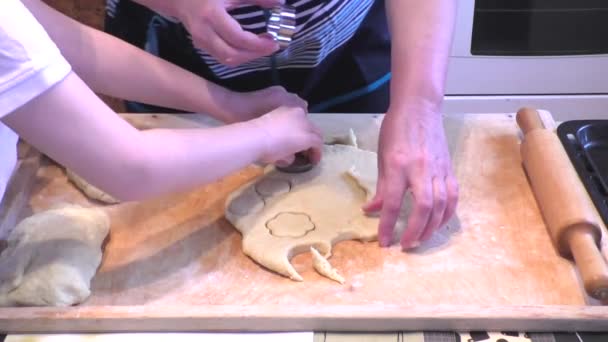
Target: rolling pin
569	213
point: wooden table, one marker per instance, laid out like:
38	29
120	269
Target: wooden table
174	264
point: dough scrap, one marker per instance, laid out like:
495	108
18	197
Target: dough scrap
350	139
52	256
89	190
323	266
331	194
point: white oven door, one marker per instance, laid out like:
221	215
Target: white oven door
524	47
530	52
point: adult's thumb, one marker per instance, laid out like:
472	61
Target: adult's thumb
285	162
374	205
265	3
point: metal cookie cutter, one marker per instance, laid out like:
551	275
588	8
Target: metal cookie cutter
282	24
300	164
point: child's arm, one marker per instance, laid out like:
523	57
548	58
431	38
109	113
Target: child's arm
113	67
73	126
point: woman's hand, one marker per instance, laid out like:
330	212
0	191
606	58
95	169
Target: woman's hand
217	33
413	155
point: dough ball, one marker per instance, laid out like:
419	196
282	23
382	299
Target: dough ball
52	256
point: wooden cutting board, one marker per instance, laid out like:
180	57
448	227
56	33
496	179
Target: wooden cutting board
175	264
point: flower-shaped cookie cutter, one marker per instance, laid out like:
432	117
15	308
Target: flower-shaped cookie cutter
281	24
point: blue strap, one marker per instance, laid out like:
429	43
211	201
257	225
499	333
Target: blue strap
151	45
320	107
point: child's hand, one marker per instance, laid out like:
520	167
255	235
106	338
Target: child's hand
250	105
289	131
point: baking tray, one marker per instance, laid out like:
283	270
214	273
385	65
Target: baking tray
586	143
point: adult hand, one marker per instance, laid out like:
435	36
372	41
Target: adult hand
217	33
413	155
289	131
250	105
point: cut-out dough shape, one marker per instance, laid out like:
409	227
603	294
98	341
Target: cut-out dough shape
290	225
52	256
324	268
331	194
89	190
249	202
272	187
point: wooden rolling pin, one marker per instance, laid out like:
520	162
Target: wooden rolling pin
571	217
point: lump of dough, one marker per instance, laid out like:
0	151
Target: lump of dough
324	268
52	256
89	190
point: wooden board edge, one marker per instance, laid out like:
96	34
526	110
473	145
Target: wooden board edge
220	318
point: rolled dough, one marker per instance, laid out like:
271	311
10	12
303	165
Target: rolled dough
331	195
89	190
52	256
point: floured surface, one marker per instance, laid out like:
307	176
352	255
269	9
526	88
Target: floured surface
178	250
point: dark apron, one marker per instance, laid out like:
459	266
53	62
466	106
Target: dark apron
352	79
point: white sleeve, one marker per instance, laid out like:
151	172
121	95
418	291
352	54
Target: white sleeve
30	62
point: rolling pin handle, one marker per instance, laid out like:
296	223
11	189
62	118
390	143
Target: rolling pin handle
591	264
528	120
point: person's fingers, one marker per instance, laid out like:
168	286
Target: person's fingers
276	96
300	102
391	205
438	210
419	217
374	205
452	198
315	154
281	97
285	161
317	141
207	39
243	41
313	146
316	130
264	3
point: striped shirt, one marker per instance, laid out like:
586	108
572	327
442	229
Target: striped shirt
322	26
